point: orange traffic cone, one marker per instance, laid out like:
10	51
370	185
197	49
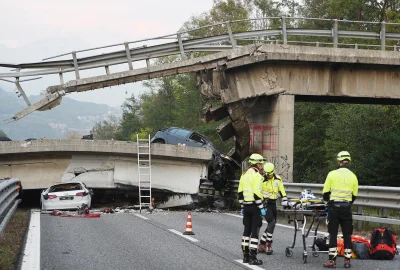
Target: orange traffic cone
188	230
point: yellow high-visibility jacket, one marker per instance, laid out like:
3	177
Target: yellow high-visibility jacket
250	185
273	188
340	185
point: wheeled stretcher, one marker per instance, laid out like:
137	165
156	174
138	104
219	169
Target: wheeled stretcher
297	211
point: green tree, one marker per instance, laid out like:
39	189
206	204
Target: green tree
131	121
222	11
175	101
107	129
310	123
371	134
350	10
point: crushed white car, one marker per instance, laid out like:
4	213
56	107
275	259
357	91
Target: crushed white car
66	196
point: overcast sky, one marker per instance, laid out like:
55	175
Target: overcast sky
33	30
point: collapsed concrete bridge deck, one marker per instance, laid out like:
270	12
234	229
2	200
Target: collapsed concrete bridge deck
101	164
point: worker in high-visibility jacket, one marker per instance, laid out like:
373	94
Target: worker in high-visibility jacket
272	189
250	198
339	193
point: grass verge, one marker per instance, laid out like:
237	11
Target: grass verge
11	241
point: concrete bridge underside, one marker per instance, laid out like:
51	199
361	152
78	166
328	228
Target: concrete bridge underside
102	164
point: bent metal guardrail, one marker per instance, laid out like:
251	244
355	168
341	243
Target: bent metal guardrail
222	38
368	196
10	191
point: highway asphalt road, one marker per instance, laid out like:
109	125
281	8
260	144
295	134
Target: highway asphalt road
154	241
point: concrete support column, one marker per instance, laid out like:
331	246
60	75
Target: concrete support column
271	121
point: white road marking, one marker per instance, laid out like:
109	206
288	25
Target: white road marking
255	267
277	224
185	236
31	257
142	217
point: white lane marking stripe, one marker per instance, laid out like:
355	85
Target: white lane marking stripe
142	217
31	259
277	224
255	267
185	236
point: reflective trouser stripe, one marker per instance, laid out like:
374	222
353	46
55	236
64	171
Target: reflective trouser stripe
264	238
332	252
347	253
253	243
245	243
269	237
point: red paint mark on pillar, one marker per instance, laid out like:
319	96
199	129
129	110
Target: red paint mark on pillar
262	137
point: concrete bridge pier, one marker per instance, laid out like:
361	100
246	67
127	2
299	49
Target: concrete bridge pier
271	123
261	124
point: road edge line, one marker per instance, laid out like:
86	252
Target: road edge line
31	257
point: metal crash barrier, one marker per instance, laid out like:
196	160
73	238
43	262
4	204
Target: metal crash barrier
10	193
381	198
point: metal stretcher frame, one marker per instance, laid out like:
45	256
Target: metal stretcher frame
317	215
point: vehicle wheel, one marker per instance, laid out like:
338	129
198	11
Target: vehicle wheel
159	141
304	258
288	252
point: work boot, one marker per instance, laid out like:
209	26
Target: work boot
262	248
347	263
246	257
330	264
254	260
269	248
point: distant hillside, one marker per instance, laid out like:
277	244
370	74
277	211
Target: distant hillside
69	116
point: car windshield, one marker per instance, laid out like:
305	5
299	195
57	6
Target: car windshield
66	187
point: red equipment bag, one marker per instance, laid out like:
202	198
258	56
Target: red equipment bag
383	244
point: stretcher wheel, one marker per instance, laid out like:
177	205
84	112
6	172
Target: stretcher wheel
288	252
315	254
304	258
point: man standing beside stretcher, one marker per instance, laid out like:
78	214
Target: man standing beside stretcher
272	188
340	191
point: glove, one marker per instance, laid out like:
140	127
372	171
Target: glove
242	212
263	212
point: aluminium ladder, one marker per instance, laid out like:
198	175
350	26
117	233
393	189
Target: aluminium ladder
144	171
